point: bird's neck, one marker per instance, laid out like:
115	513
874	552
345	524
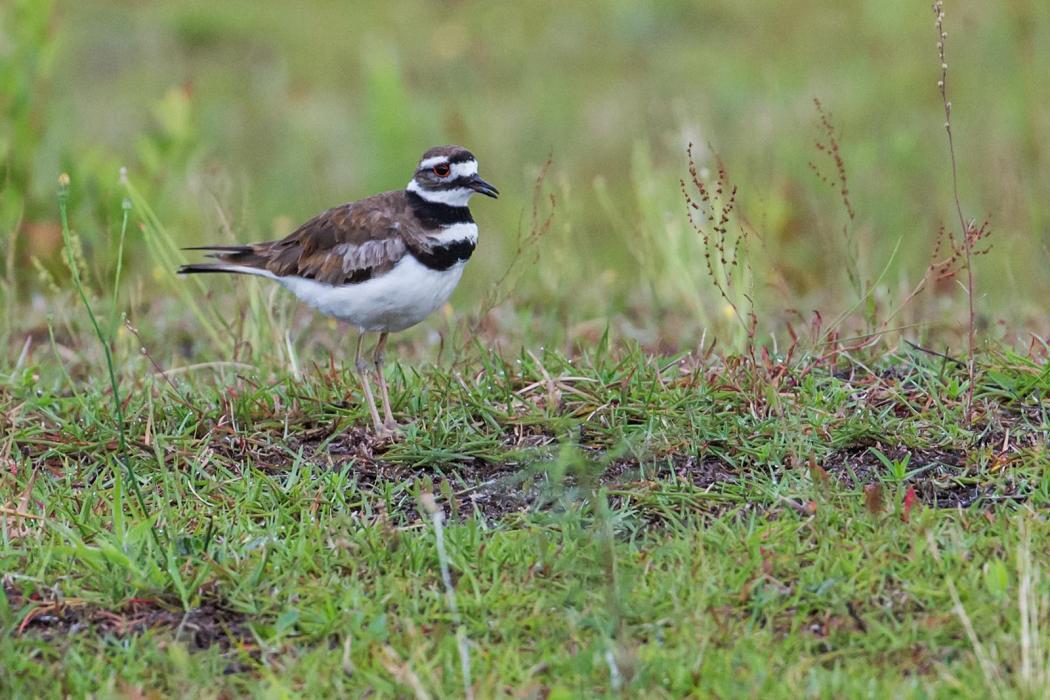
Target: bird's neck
435	214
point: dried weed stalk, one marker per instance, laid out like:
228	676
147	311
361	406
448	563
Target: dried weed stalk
711	214
961	251
828	145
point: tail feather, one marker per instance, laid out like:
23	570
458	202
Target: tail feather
222	248
207	267
238	259
197	268
226	252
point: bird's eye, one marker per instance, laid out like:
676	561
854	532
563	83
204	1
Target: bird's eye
442	170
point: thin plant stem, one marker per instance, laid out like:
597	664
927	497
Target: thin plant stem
67	240
942	85
126	206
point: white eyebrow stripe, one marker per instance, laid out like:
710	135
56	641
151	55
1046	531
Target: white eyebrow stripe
432	161
465	169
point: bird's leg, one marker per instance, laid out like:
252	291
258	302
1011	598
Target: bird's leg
362	372
377	358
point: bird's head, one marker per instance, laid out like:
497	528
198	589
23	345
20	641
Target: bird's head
449	175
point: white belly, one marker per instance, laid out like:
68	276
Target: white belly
391	302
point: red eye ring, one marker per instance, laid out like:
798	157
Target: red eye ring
442	170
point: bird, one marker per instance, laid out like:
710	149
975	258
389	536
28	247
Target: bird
381	264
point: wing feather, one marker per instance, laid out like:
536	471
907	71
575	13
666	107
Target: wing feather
344	245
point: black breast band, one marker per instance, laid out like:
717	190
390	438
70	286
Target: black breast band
442	257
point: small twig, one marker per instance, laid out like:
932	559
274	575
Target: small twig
943	356
156	367
11	512
437	518
853	613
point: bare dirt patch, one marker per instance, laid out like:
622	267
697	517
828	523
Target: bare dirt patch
498	490
51	618
943	478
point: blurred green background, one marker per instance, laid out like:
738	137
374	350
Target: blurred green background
261	114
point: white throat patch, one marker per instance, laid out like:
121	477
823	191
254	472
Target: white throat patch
458	197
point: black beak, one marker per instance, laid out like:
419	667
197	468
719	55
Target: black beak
482	187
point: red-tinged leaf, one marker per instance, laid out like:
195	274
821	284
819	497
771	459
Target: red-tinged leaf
909	501
142	601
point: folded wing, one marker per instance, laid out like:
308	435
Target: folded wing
344	245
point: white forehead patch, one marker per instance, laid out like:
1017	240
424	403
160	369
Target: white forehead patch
465	169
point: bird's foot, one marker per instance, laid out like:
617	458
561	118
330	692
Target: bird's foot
389	432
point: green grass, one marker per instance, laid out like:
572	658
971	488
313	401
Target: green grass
742	538
641	494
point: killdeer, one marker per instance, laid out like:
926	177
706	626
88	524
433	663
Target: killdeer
382	264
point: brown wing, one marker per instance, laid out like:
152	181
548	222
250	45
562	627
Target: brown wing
346	244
